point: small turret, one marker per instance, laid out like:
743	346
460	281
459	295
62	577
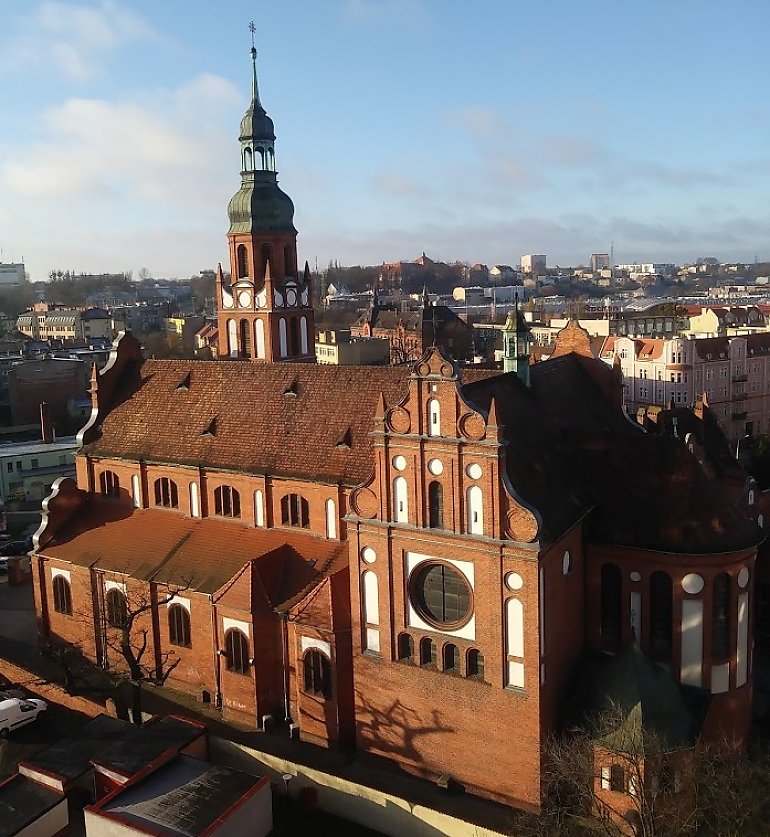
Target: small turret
516	344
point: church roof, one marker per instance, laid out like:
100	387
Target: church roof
284	419
637	705
570	449
243	566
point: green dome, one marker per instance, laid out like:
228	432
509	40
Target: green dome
260	205
256	124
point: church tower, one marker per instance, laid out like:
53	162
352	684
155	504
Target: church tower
516	344
265	311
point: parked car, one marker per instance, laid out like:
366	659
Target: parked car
18	712
3	565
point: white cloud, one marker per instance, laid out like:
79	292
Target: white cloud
167	160
72	38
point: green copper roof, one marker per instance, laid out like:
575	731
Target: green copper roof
260	205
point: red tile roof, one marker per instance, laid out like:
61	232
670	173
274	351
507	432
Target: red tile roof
207	555
294	420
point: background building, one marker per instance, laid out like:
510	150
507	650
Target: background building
534	264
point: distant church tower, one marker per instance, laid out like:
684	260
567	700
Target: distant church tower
265	312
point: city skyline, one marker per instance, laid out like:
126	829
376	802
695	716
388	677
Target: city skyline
402	126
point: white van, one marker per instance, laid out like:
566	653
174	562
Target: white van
16	712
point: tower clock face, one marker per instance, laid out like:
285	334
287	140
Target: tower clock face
291	297
244	299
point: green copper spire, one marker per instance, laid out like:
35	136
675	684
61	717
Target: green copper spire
259	204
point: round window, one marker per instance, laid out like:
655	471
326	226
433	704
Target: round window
441	595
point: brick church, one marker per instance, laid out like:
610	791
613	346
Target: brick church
416	562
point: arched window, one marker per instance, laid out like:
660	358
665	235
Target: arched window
232	338
62	595
661	615
259	330
720	620
109	484
227	501
318	679
245	344
475	510
405	647
237	651
259	509
474	666
195	509
136	491
271	159
611	605
434	417
435	505
283	349
261	152
294	335
450	658
295	511
427	652
288	267
266	257
331	519
248	160
117	611
179	626
166	493
303	335
400	501
243	267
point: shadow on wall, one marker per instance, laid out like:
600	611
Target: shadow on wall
395	729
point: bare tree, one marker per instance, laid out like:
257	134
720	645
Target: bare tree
612	779
129	631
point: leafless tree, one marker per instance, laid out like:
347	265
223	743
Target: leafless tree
641	787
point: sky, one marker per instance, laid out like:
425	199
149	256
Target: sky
470	131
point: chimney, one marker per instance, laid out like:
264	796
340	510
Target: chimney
46	428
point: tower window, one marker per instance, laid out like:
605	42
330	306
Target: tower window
248	161
243	268
266	257
294	336
227	501
245	341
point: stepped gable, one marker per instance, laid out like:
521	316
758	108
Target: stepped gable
282	419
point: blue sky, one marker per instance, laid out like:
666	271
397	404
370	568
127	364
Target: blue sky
472	131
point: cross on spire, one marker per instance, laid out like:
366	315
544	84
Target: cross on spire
254	86
252	29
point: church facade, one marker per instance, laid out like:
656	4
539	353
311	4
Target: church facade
413	561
